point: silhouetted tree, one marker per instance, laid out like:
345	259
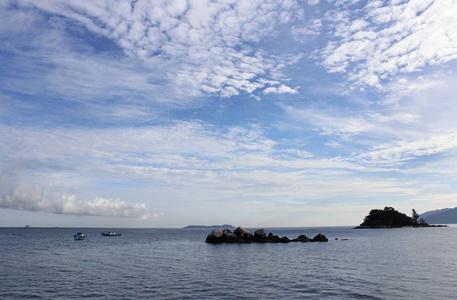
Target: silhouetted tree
415	216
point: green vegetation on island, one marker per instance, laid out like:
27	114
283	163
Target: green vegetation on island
391	218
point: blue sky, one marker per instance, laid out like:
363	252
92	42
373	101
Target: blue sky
253	113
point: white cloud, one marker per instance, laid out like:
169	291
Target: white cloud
188	160
69	65
352	125
197	46
191	164
414	86
312	29
282	89
402	151
28	197
379	41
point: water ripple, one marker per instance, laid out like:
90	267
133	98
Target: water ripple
177	264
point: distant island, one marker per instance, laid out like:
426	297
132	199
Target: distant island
209	226
391	218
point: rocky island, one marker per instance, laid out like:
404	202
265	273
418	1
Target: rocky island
241	235
391	218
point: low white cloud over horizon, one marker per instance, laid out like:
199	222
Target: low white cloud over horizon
255	113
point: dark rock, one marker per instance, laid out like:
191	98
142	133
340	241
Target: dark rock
284	239
260	239
273	238
215	237
260	233
230	237
301	238
248	238
319	238
243	233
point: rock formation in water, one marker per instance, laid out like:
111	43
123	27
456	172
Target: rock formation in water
241	235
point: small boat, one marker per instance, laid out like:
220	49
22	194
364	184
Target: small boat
109	233
80	236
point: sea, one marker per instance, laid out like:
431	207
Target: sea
400	263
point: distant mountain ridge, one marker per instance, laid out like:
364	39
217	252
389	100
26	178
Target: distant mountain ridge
209	226
441	216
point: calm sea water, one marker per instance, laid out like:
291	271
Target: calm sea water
407	263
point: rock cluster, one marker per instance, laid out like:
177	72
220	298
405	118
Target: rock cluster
241	235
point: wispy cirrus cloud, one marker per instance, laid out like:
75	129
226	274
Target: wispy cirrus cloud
397	153
182	145
349	126
187	158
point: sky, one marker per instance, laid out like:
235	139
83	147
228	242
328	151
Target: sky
252	113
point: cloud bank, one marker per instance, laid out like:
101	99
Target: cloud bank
30	197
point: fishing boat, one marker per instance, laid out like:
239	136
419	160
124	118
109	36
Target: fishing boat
80	236
109	233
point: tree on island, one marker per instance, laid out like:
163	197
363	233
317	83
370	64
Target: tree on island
387	217
415	216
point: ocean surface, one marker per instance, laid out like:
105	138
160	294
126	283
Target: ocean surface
404	263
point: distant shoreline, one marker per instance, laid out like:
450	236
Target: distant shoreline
209	226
